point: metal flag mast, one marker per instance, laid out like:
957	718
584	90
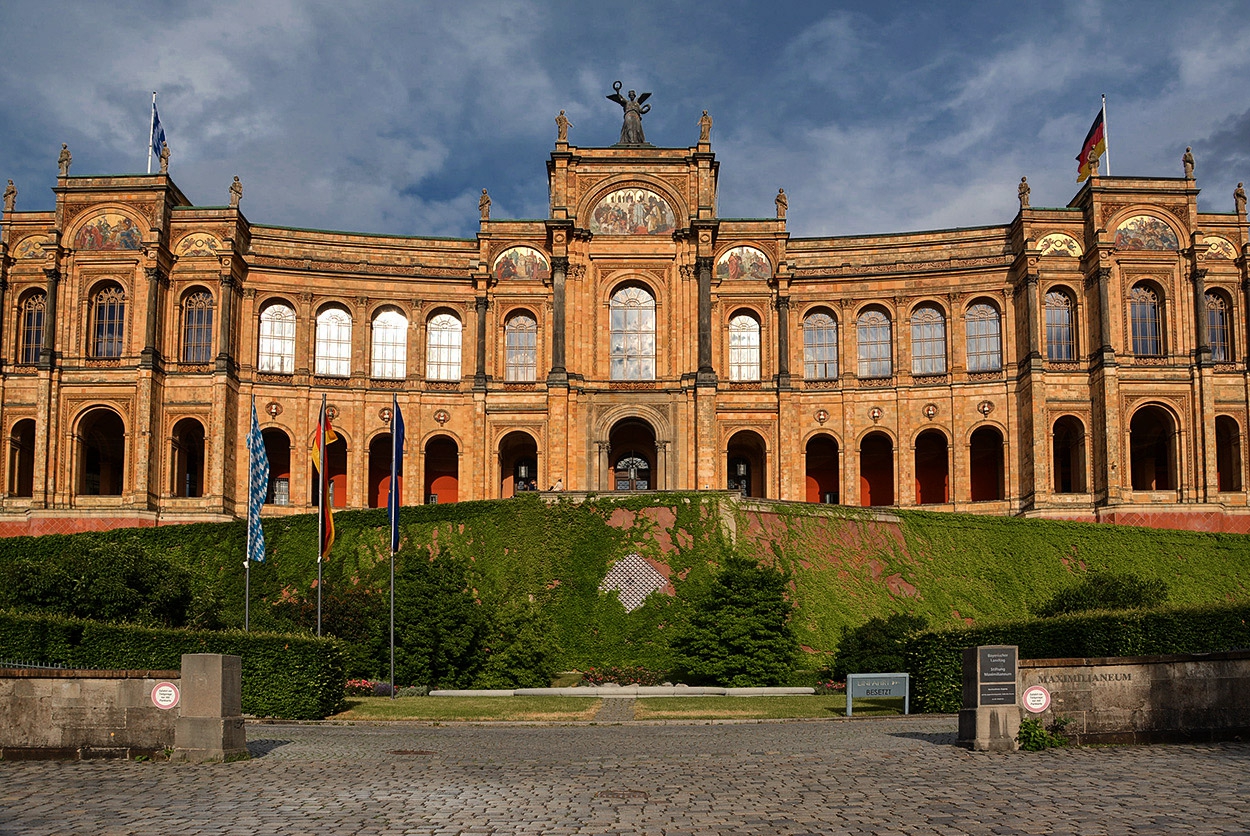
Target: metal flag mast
321	501
1106	134
396	441
151	131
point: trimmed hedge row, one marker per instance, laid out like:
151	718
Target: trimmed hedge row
935	657
293	677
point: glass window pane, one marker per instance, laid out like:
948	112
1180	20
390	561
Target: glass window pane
631	341
984	327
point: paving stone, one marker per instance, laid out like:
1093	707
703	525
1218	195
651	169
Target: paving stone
868	776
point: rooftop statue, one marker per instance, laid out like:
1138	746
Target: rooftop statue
631	130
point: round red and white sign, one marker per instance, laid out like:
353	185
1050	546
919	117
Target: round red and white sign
165	695
1036	699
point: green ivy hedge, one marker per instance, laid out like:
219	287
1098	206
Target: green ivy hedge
935	657
292	677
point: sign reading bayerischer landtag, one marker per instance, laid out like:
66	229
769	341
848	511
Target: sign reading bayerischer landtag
990	716
997	680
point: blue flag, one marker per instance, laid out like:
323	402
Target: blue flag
257	489
158	133
397	470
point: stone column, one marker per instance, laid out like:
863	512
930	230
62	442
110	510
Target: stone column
1202	351
479	376
559	374
1104	313
783	342
147	359
1033	297
225	324
703	268
47	352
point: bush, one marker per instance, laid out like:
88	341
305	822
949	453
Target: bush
518	648
1101	590
935	657
876	646
292	677
739	632
438	622
622	675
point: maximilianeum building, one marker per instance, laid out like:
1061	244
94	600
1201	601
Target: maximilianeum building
1085	362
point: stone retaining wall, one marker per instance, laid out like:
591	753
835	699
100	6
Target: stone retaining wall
83	714
1148	699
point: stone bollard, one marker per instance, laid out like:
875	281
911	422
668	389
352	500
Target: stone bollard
210	725
990	718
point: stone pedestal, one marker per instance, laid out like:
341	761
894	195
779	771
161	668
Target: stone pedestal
210	727
990	718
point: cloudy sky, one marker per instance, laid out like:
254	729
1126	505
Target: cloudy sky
391	116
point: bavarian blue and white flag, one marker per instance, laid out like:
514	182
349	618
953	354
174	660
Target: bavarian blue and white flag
257	488
397	470
158	133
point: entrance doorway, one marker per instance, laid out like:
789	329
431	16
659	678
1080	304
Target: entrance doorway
633	457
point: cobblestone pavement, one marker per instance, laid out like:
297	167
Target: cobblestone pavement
883	776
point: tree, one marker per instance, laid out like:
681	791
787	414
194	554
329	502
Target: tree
739	632
438	621
876	646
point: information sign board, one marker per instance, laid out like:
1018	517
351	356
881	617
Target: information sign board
165	695
998	693
998	663
878	685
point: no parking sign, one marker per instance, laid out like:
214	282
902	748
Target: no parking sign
1036	699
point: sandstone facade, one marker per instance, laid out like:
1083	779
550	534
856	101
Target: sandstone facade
1084	362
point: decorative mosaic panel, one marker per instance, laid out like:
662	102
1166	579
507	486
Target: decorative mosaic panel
1142	232
522	263
632	212
1221	248
199	243
743	263
112	231
633	579
1057	243
31	247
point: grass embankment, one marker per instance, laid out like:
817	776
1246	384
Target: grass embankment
573	709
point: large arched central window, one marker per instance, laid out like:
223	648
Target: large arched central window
928	341
276	352
1060	327
108	321
820	347
521	348
985	338
744	348
390	345
1146	318
876	356
334	342
442	357
197	327
632	335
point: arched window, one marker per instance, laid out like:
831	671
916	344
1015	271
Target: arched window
33	308
744	348
820	347
334	342
631	353
1146	319
276	352
197	327
928	341
108	321
521	348
1217	328
1060	326
985	338
442	356
390	345
876	356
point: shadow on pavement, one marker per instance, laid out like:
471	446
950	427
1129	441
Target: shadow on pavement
938	738
260	748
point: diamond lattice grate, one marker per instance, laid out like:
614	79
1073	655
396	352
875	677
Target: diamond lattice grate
633	579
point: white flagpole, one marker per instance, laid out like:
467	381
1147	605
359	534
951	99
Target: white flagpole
247	555
1106	133
151	130
394	503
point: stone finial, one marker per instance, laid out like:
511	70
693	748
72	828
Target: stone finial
1093	163
164	158
10	198
1024	192
705	127
483	205
1188	161
562	127
783	203
236	192
1239	198
64	160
